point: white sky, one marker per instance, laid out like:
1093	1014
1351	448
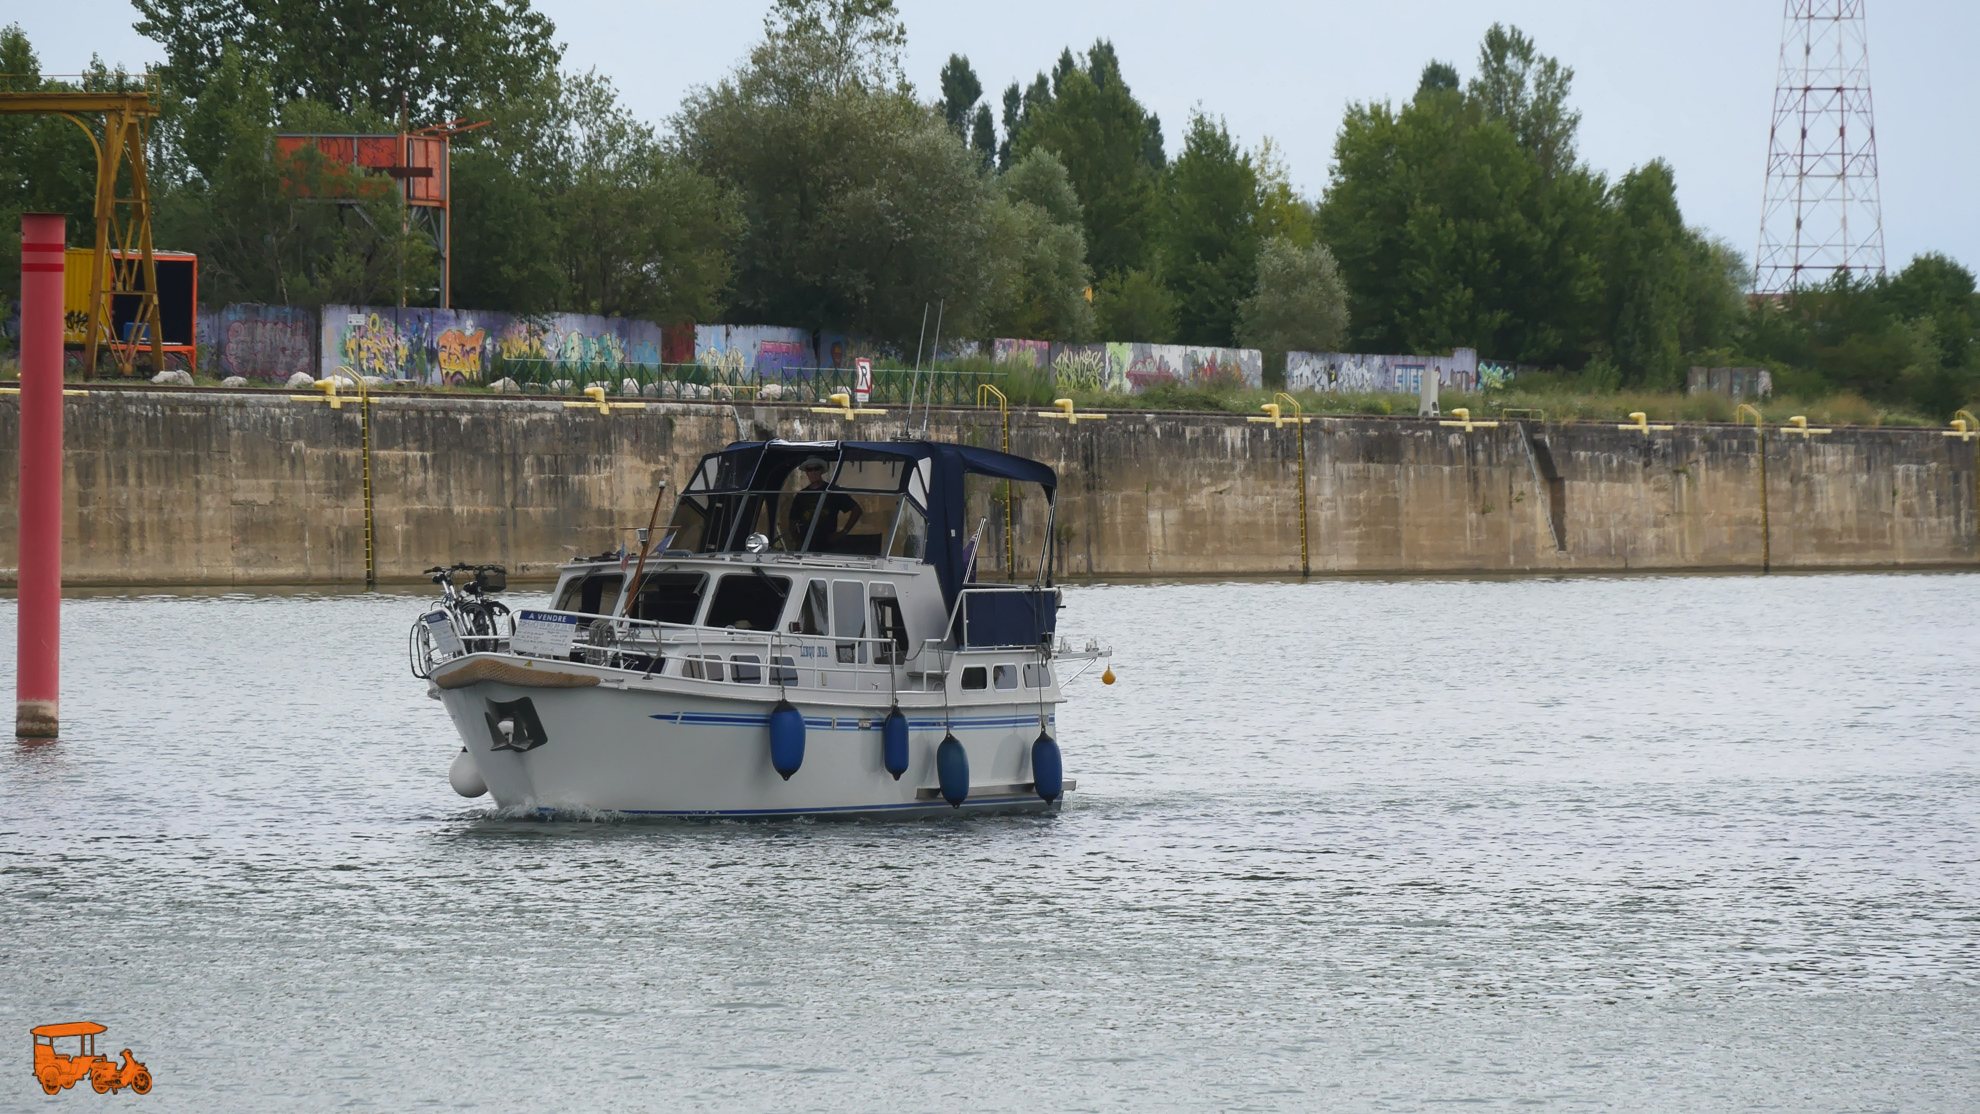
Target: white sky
1690	81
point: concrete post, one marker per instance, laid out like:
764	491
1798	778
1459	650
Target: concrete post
38	681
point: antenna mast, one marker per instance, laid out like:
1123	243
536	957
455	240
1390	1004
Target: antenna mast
1822	215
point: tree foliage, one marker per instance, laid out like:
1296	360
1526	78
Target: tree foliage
1086	115
432	56
860	206
47	164
1209	235
1038	278
1299	305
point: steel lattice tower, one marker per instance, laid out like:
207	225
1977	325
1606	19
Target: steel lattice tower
1822	214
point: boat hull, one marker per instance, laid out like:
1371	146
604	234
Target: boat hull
667	747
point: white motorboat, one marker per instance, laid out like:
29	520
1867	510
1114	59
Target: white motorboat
804	638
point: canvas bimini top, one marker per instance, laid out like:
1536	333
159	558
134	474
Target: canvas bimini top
855	498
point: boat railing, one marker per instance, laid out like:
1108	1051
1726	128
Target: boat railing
743	656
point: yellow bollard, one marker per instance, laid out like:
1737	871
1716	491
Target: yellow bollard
596	394
1799	424
1465	423
1065	413
842	406
1639	422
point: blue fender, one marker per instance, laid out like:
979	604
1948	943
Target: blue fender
786	739
952	769
1048	771
894	743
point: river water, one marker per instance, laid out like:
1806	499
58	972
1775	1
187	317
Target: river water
1683	843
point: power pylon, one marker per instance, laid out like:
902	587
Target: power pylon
1822	215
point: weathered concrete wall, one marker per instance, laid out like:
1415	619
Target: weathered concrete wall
229	487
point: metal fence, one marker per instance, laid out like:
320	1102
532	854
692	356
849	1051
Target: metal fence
943	386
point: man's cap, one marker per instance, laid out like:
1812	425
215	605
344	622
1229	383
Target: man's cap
813	462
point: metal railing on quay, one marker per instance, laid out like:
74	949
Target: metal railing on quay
696	381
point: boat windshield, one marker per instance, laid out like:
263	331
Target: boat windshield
804	499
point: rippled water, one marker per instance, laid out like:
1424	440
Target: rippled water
1654	843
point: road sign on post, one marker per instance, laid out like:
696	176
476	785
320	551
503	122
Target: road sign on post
862	381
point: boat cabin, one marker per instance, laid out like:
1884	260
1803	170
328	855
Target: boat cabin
864	543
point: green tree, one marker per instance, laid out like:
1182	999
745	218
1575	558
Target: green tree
1038	273
1450	231
1087	116
1134	306
1281	209
438	55
286	229
960	92
644	234
47	164
1526	91
859	205
1649	269
1209	233
1299	305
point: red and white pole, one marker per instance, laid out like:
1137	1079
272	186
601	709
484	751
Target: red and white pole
38	683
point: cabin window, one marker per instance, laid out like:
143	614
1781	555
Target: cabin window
879	474
815	618
708	667
889	624
748	601
783	670
669	597
1005	676
688	529
1037	675
849	618
746	669
910	533
593	594
975	677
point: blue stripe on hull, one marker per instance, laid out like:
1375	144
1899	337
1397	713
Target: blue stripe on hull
1029	801
844	723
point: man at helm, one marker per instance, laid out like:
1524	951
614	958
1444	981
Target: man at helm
827	506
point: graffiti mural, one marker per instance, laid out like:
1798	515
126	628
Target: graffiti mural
269	343
1081	367
1130	368
1373	374
1151	365
755	351
458	352
450	347
1031	353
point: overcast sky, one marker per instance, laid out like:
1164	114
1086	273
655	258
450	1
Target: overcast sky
1690	81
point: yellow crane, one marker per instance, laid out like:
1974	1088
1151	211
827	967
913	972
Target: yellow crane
123	224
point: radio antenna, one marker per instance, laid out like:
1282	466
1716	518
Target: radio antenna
917	360
928	404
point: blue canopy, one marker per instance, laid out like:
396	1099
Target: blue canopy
946	499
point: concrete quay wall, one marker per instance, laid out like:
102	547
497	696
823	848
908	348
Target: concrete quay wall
211	487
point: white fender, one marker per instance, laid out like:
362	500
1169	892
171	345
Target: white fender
465	777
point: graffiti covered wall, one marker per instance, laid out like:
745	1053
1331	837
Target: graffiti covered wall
448	347
1132	368
262	342
1372	374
